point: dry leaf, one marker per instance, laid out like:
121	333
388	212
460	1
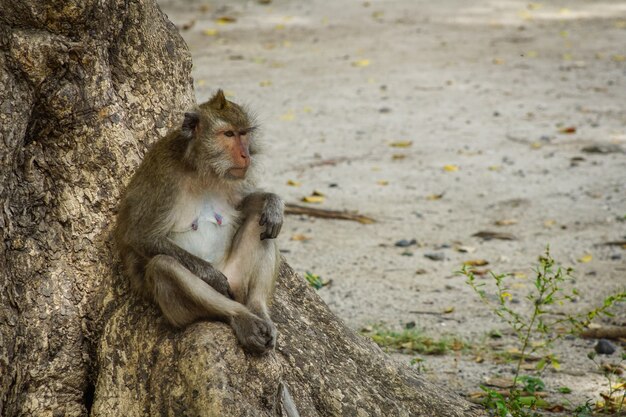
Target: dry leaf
506	222
314	199
294	183
397	156
361	63
498	61
435	196
488	235
476	262
450	168
549	223
210	32
265	83
466	249
568	130
300	238
224	20
585	258
618	58
289	116
448	310
382	182
536	145
279	27
495	168
401	144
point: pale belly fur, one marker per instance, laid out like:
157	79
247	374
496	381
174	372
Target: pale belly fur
205	226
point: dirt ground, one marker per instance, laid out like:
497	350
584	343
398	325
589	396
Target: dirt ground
496	99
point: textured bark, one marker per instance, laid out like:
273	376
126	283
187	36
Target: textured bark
85	87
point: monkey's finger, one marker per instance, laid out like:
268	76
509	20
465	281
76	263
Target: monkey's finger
263	220
278	227
263	235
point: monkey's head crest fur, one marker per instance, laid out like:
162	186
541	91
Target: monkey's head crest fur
202	125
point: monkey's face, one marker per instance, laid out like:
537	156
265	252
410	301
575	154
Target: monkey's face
222	131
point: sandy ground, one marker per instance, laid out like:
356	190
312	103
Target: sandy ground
483	86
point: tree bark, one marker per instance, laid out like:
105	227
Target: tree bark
85	87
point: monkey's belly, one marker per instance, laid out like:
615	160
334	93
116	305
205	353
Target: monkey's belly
208	241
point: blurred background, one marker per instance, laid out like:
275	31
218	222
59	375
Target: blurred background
474	132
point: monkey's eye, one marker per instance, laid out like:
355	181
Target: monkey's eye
229	133
243	133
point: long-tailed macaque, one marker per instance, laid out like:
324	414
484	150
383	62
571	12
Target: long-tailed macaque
193	233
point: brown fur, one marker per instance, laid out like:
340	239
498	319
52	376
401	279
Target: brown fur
204	159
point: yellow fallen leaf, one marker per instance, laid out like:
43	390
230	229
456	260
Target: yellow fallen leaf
314	199
201	83
450	168
520	275
401	144
293	183
361	63
531	54
289	116
567	57
549	223
585	258
279	27
265	83
300	238
210	32
505	222
618	58
448	310
495	168
535	145
564	34
397	156
435	196
476	262
382	182
224	20
318	193
307	109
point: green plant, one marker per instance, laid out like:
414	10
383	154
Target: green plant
613	400
411	341
315	280
535	329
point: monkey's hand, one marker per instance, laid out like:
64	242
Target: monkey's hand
217	280
272	216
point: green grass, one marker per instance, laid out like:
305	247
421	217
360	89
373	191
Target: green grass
412	341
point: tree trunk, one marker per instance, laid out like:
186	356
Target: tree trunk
85	87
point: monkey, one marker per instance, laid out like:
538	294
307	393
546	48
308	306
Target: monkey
194	233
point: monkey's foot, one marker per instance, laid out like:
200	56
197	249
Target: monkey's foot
255	335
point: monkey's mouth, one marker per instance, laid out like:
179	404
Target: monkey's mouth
237	173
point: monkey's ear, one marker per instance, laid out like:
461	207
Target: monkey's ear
190	123
218	101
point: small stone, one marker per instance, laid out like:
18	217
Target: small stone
384	110
420	271
405	243
616	256
435	256
409	325
604	347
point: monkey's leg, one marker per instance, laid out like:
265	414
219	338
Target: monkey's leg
251	270
185	298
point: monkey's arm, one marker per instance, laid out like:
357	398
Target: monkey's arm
197	266
270	207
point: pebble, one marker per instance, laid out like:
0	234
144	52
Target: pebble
604	347
436	256
405	243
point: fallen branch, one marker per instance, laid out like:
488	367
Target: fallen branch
606	332
327	214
